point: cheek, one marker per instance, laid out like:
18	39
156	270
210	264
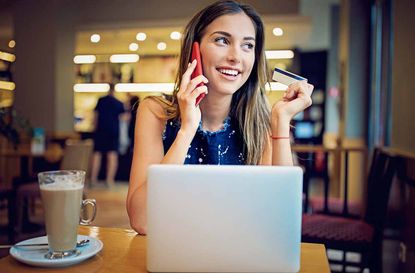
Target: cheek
249	64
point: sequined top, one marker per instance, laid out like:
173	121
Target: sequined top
223	147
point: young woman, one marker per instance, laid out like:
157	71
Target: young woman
233	123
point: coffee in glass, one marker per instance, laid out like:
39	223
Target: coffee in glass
62	202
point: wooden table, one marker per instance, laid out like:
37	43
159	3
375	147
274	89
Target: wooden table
125	251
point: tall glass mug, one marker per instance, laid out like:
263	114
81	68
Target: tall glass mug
62	202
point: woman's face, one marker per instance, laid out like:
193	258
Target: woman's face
228	52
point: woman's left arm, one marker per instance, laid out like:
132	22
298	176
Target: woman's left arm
295	100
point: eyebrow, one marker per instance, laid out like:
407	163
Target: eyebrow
224	33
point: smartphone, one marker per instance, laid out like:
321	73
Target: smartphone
198	70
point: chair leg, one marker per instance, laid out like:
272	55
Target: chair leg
11	209
375	263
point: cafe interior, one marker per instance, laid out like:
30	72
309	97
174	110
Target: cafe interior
355	143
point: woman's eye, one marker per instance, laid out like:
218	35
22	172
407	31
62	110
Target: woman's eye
221	40
248	46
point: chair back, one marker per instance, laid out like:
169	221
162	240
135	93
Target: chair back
77	155
380	178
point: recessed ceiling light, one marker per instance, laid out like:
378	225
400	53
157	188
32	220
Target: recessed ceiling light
133	47
8	57
145	87
95	38
124	58
141	36
279	54
161	46
175	35
7	85
84	59
12	43
277	31
91	87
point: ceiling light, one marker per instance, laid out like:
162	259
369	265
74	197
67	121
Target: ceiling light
161	46
7	85
279	54
175	35
12	43
91	87
133	47
277	31
7	56
275	86
124	58
145	87
141	36
95	38
84	59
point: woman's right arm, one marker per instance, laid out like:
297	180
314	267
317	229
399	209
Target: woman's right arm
148	149
148	145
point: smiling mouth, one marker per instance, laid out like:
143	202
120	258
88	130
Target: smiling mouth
229	72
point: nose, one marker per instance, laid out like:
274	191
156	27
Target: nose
234	54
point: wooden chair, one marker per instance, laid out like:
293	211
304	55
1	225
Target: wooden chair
7	197
76	156
357	235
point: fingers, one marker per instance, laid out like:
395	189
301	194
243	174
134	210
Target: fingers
187	74
188	84
298	89
197	92
195	82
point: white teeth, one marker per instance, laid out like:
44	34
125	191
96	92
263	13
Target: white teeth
229	72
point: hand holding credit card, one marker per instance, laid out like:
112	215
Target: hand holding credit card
198	69
286	77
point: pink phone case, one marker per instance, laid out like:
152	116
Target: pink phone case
198	70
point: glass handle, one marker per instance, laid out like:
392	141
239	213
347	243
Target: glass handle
86	202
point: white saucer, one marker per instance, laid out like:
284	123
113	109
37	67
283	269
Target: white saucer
36	255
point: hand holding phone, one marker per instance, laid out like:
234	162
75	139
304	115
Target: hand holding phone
198	69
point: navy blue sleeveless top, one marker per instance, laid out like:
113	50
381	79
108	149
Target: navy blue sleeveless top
223	147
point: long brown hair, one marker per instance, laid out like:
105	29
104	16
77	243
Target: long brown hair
249	104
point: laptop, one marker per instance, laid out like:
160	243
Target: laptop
205	218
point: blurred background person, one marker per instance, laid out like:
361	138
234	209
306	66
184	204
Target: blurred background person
107	136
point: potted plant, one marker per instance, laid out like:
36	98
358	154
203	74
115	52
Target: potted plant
13	126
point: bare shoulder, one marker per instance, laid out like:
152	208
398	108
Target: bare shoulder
151	106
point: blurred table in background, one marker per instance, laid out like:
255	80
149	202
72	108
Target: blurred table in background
333	164
19	162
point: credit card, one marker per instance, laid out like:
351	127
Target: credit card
286	77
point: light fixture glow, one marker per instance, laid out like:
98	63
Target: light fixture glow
145	87
124	58
279	54
133	47
12	43
7	85
141	36
91	87
84	59
95	38
9	57
161	46
277	31
175	35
